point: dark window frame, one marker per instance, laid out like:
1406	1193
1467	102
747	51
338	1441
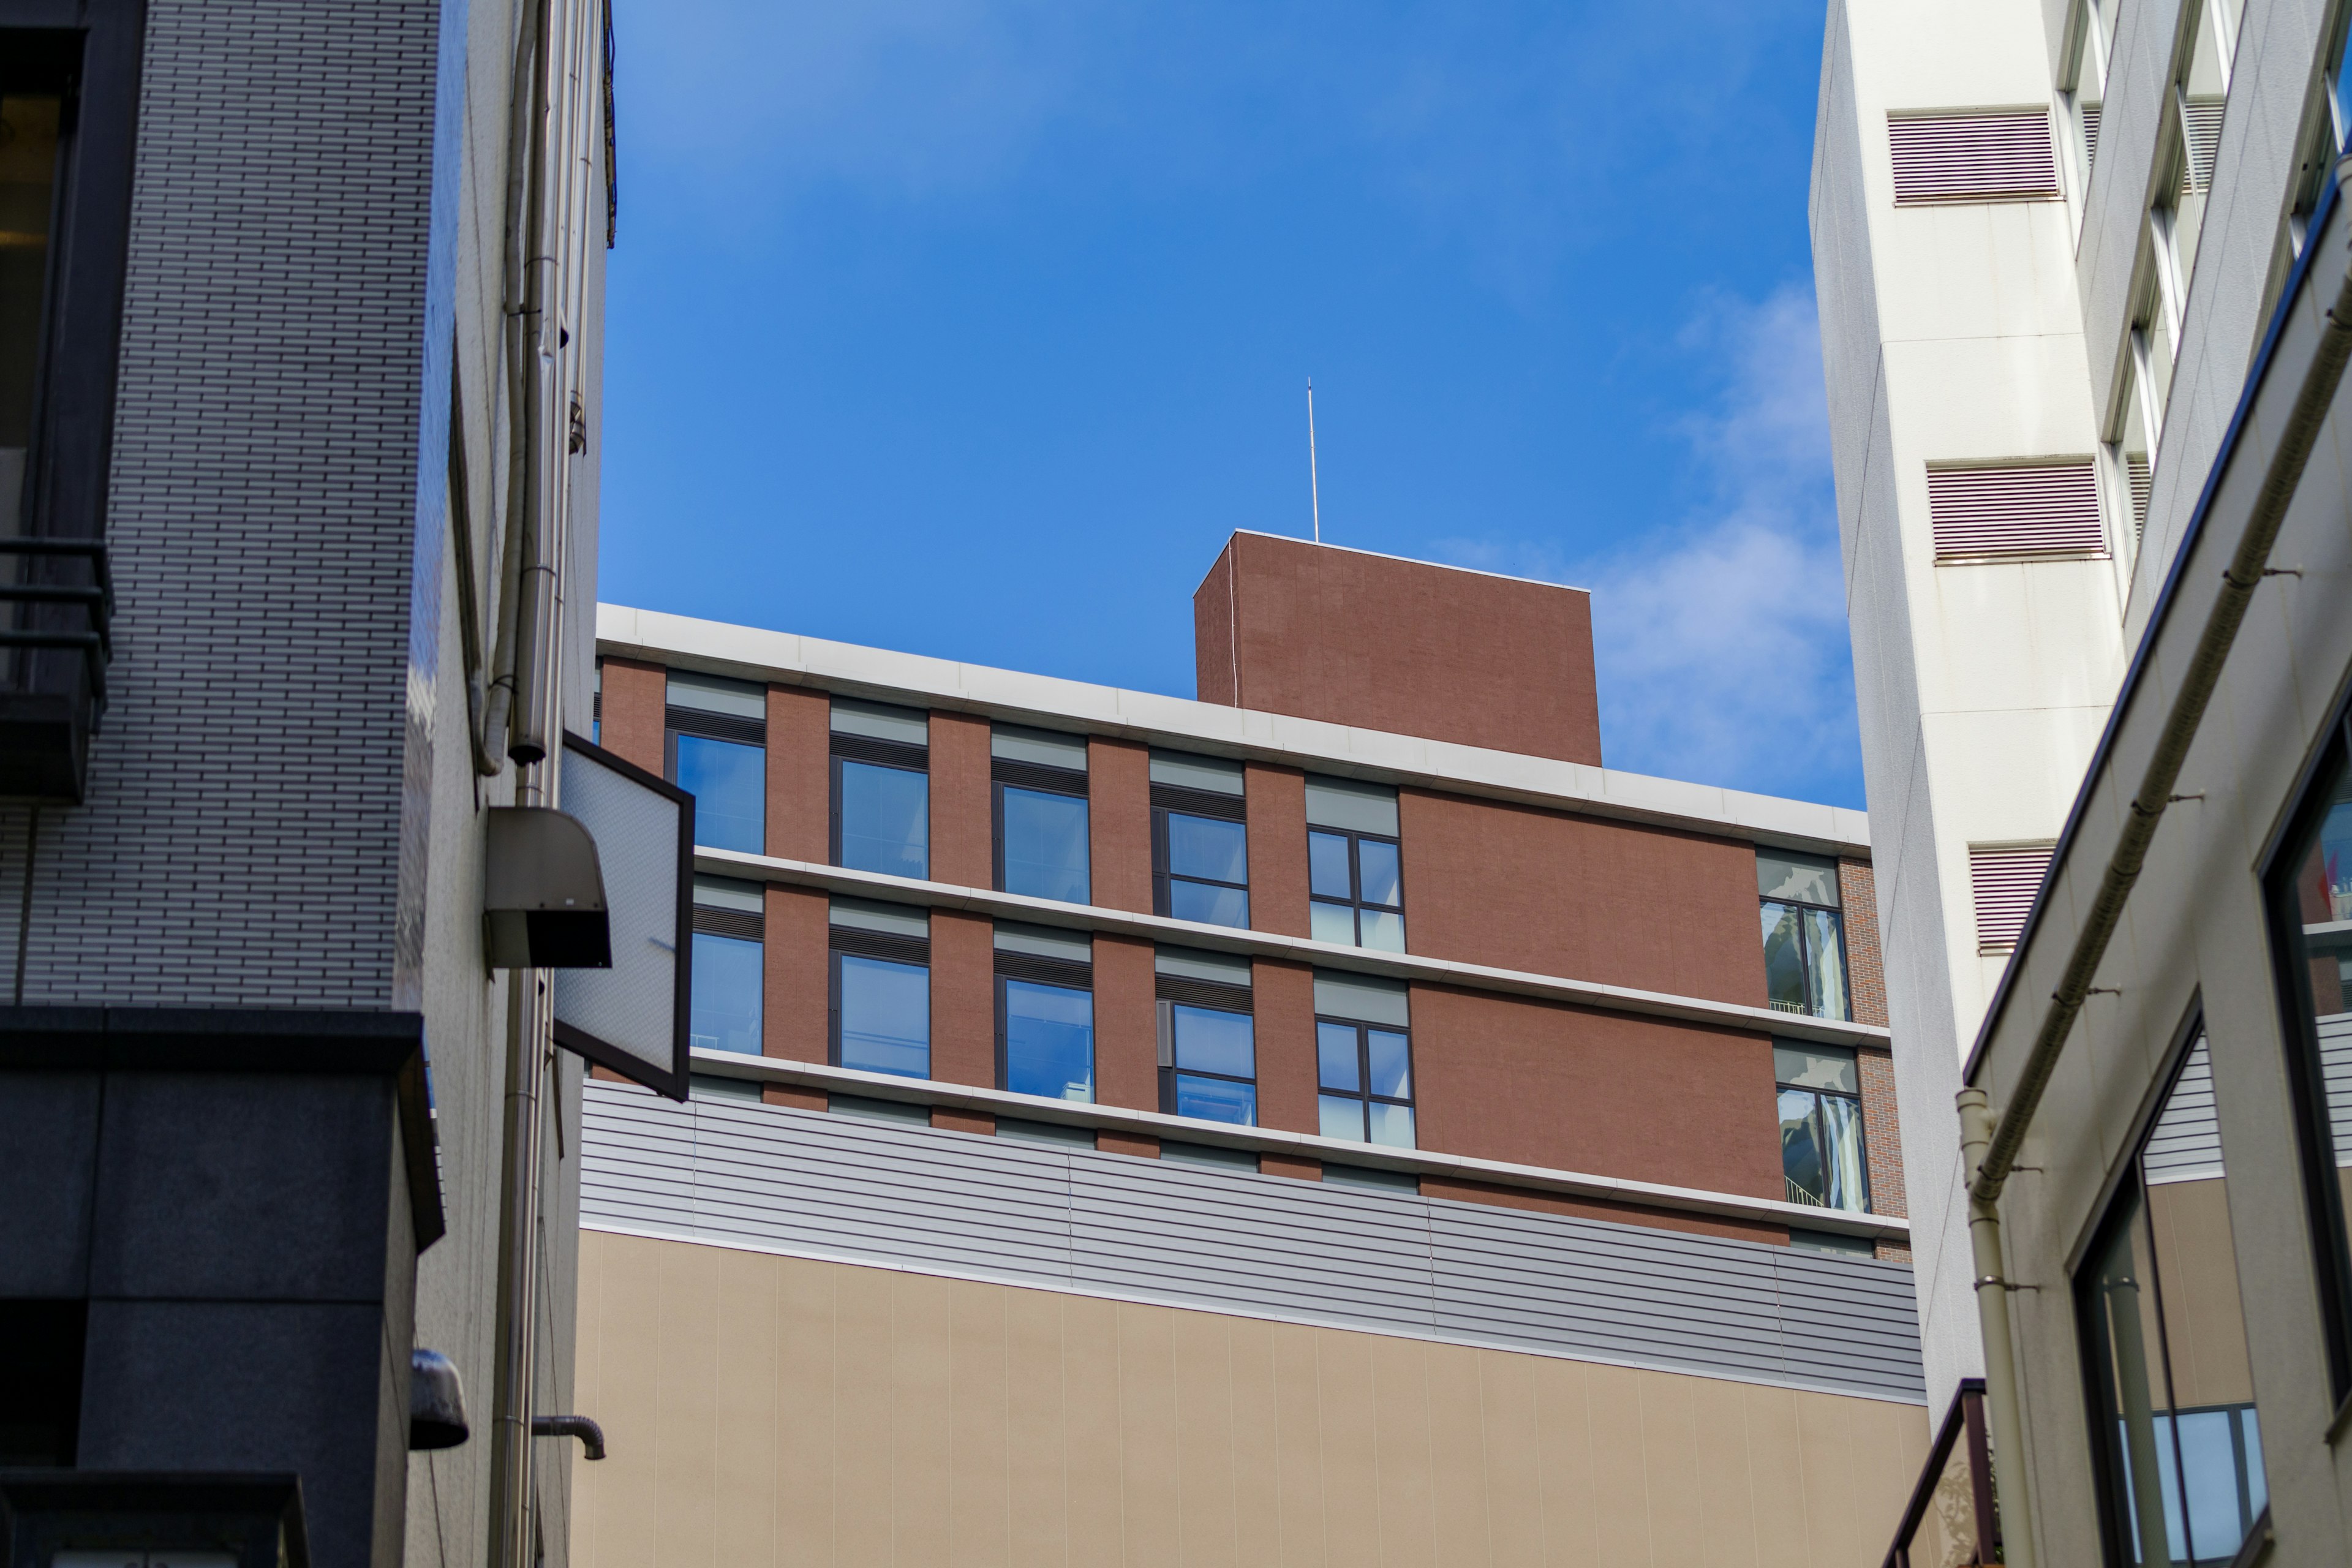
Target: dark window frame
1168	799
1356	903
1805	950
704	726
856	942
737	925
1363	1096
1038	779
1861	1127
905	758
1173	992
2298	1030
1068	974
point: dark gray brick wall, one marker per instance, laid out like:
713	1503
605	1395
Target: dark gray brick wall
241	841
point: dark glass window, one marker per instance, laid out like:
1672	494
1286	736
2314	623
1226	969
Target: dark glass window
724	1002
2310	896
2178	1448
1804	935
716	733
1200	841
881	789
1364	1075
1044	1012
1040	783
1822	1155
1357	884
30	145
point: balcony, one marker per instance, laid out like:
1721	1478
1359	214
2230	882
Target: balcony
1950	1522
56	612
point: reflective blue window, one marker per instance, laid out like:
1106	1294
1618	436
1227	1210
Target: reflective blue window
729	782
723	1011
1365	1077
1205	868
1357	885
1049	1039
1215	1065
882	819
882	1015
1042	843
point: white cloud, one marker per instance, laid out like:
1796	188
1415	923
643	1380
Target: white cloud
1721	638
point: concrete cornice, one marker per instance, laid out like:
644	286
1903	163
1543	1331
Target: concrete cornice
1292	948
748	653
1299	1145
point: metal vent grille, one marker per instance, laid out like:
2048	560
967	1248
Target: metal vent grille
2005	880
1198	803
729	923
2005	156
1044	970
2090	137
715	726
2016	509
880	945
1202	994
890	753
1037	775
2201	127
2136	471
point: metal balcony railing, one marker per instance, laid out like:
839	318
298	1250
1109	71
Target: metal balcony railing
57	632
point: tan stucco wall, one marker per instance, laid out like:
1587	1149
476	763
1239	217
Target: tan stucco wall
775	1411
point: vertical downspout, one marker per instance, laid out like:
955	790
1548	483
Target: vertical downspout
2013	1495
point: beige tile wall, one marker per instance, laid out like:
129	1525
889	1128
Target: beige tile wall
764	1412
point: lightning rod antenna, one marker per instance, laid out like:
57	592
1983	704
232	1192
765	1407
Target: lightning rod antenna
1314	490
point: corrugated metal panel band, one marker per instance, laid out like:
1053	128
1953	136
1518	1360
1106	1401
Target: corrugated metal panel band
2016	509
811	1185
2005	880
1983	157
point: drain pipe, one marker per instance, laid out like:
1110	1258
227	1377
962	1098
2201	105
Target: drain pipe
2000	1140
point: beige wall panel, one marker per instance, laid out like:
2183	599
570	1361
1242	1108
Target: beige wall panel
806	1451
980	1432
1299	1444
774	1412
1037	1420
1458	1458
2205	1325
1201	1366
1146	1390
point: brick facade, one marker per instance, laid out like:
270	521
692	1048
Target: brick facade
1865	967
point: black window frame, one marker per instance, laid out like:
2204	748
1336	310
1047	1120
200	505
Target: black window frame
841	747
707	726
2124	1198
1861	1123
1039	779
1357	904
1176	800
1805	949
1039	970
2299	1035
740	925
1363	1096
886	947
56	588
1170	992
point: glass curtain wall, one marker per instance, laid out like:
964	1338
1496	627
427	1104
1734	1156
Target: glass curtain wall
1804	934
2180	1448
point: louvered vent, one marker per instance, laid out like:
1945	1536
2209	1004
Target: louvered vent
2016	509
1998	157
2005	880
2090	136
2202	119
2136	470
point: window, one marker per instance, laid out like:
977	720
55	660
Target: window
1363	1059
1208	1035
1354	874
880	1013
2187	154
2310	898
1822	1159
1804	934
1040	784
723	1004
881	789
2177	1451
2129	475
2083	90
1044	1012
1200	841
716	732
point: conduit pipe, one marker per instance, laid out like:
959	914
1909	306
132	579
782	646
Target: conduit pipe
2000	1139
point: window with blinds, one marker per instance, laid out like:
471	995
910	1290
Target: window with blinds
2015	509
2201	121
2003	156
2004	879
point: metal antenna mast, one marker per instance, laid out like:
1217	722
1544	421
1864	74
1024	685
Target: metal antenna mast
1314	492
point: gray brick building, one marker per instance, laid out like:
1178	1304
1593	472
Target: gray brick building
294	577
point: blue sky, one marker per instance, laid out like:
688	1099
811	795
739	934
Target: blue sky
971	327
